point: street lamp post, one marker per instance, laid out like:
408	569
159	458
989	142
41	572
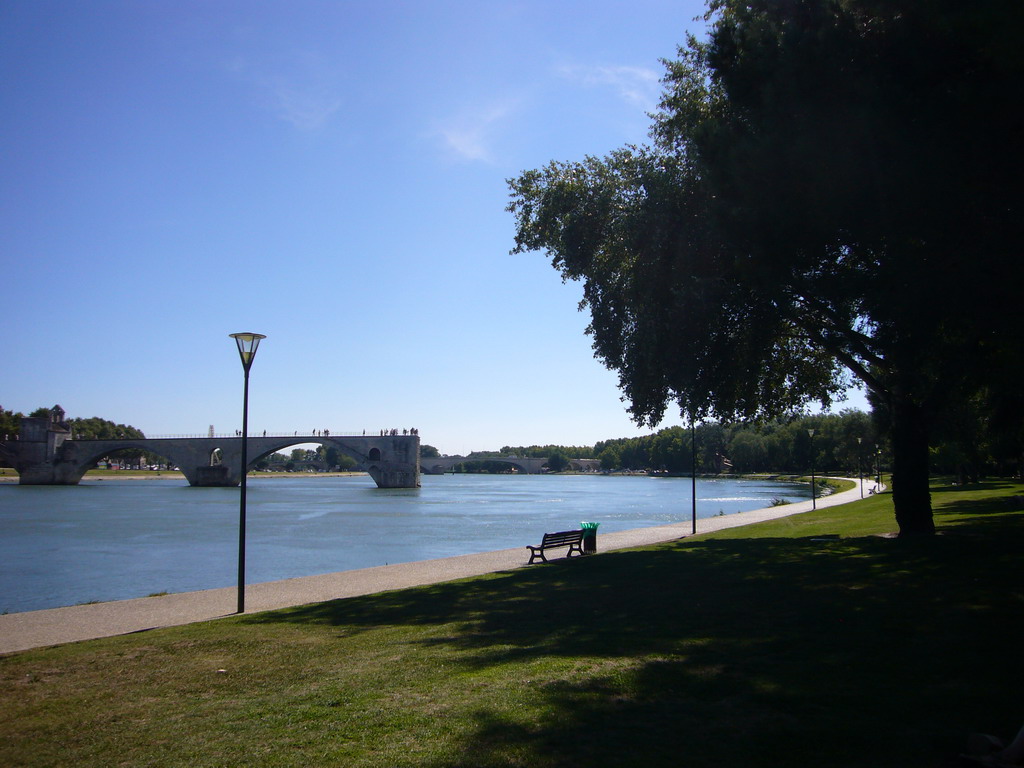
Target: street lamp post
814	495
693	474
878	469
860	468
247	344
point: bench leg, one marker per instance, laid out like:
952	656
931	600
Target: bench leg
536	552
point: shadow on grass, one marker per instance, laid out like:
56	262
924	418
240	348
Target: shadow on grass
994	486
759	652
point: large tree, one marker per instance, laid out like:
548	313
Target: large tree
833	190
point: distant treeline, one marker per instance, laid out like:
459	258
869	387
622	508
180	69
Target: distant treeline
970	448
780	446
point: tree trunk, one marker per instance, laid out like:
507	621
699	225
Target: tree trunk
910	493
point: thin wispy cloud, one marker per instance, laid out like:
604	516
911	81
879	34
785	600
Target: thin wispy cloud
306	106
299	90
471	134
639	86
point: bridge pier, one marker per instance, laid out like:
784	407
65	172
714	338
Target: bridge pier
61	473
218	476
395	475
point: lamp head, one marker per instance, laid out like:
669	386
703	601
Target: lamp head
247	344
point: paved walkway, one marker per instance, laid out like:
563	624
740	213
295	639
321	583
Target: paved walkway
33	629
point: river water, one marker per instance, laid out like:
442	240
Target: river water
118	539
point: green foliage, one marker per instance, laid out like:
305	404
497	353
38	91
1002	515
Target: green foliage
543	451
669	310
343	462
557	461
483	466
428	452
778	446
781	445
95	428
610	459
979	437
791	225
335	459
10	423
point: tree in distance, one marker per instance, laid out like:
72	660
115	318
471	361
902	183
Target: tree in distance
832	193
558	461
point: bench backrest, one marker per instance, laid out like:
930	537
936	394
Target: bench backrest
561	538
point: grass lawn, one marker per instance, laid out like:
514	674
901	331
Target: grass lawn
805	641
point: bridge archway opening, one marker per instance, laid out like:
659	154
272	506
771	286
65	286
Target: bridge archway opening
374	454
216	457
134	458
329	452
128	456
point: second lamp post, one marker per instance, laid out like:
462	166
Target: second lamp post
814	495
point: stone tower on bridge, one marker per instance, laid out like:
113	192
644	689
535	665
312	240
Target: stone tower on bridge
39	439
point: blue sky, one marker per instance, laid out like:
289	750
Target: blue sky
330	174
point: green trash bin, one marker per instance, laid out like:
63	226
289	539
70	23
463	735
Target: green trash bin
589	537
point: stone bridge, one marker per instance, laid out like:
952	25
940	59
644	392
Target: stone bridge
438	465
45	454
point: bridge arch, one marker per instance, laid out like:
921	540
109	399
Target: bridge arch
287	442
79	456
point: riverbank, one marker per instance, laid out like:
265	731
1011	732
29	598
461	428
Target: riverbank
20	631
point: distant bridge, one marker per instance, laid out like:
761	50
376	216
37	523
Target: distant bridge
45	454
438	465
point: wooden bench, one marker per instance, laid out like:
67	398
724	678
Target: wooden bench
571	539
